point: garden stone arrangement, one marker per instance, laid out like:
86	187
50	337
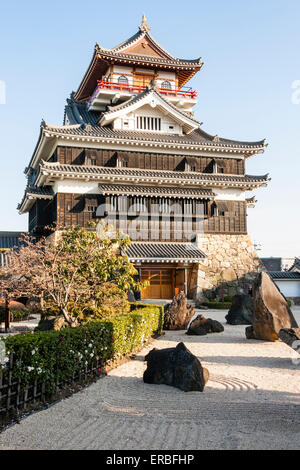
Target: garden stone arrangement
177	367
241	310
201	326
271	311
289	336
178	313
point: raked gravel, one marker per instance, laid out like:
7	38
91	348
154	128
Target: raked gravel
251	401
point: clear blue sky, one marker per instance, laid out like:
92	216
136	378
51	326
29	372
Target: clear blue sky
251	53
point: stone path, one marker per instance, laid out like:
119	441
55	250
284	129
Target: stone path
252	401
21	326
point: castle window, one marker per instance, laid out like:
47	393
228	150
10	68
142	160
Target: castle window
91	161
190	164
122	161
166	85
123	79
148	123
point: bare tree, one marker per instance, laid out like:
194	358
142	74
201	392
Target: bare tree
69	271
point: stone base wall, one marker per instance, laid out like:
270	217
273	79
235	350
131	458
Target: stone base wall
231	261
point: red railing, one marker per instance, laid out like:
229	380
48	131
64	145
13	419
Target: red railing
128	88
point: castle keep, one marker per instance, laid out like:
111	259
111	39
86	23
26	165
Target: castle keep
131	152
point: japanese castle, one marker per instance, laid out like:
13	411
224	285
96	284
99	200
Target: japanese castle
131	152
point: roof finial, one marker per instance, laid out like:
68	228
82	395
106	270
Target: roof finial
144	26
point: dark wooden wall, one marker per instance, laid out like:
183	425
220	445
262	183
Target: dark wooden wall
42	214
75	209
144	160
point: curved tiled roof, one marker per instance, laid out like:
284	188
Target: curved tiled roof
284	275
134	174
138	251
87	125
126	190
45	192
143	32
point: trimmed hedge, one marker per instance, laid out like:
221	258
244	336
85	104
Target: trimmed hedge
218	305
57	356
135	305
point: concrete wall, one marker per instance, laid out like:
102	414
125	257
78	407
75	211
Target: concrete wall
289	288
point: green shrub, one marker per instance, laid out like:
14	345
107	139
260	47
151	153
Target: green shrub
135	305
218	305
110	300
57	356
228	298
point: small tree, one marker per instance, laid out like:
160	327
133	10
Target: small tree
70	271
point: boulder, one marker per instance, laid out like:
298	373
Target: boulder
289	336
271	310
131	296
241	310
178	313
201	326
177	367
52	323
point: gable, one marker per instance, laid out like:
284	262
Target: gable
145	47
151	101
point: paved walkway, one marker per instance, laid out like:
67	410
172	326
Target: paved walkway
252	401
21	326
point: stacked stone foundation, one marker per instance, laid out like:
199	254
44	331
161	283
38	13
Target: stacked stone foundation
230	267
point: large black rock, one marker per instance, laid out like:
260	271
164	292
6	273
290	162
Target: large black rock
241	310
178	313
271	311
177	367
201	326
290	336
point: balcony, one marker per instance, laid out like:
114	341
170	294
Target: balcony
109	92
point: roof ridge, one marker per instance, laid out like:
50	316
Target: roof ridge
126	170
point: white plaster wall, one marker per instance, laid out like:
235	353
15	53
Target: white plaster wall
229	194
76	187
168	125
118	71
289	288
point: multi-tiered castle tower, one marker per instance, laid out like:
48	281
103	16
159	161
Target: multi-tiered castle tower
131	151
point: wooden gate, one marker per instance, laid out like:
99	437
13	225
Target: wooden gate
161	283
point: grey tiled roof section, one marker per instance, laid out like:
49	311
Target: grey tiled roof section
164	251
44	192
77	113
284	275
124	190
166	174
10	239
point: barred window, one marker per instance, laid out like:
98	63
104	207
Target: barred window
148	123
